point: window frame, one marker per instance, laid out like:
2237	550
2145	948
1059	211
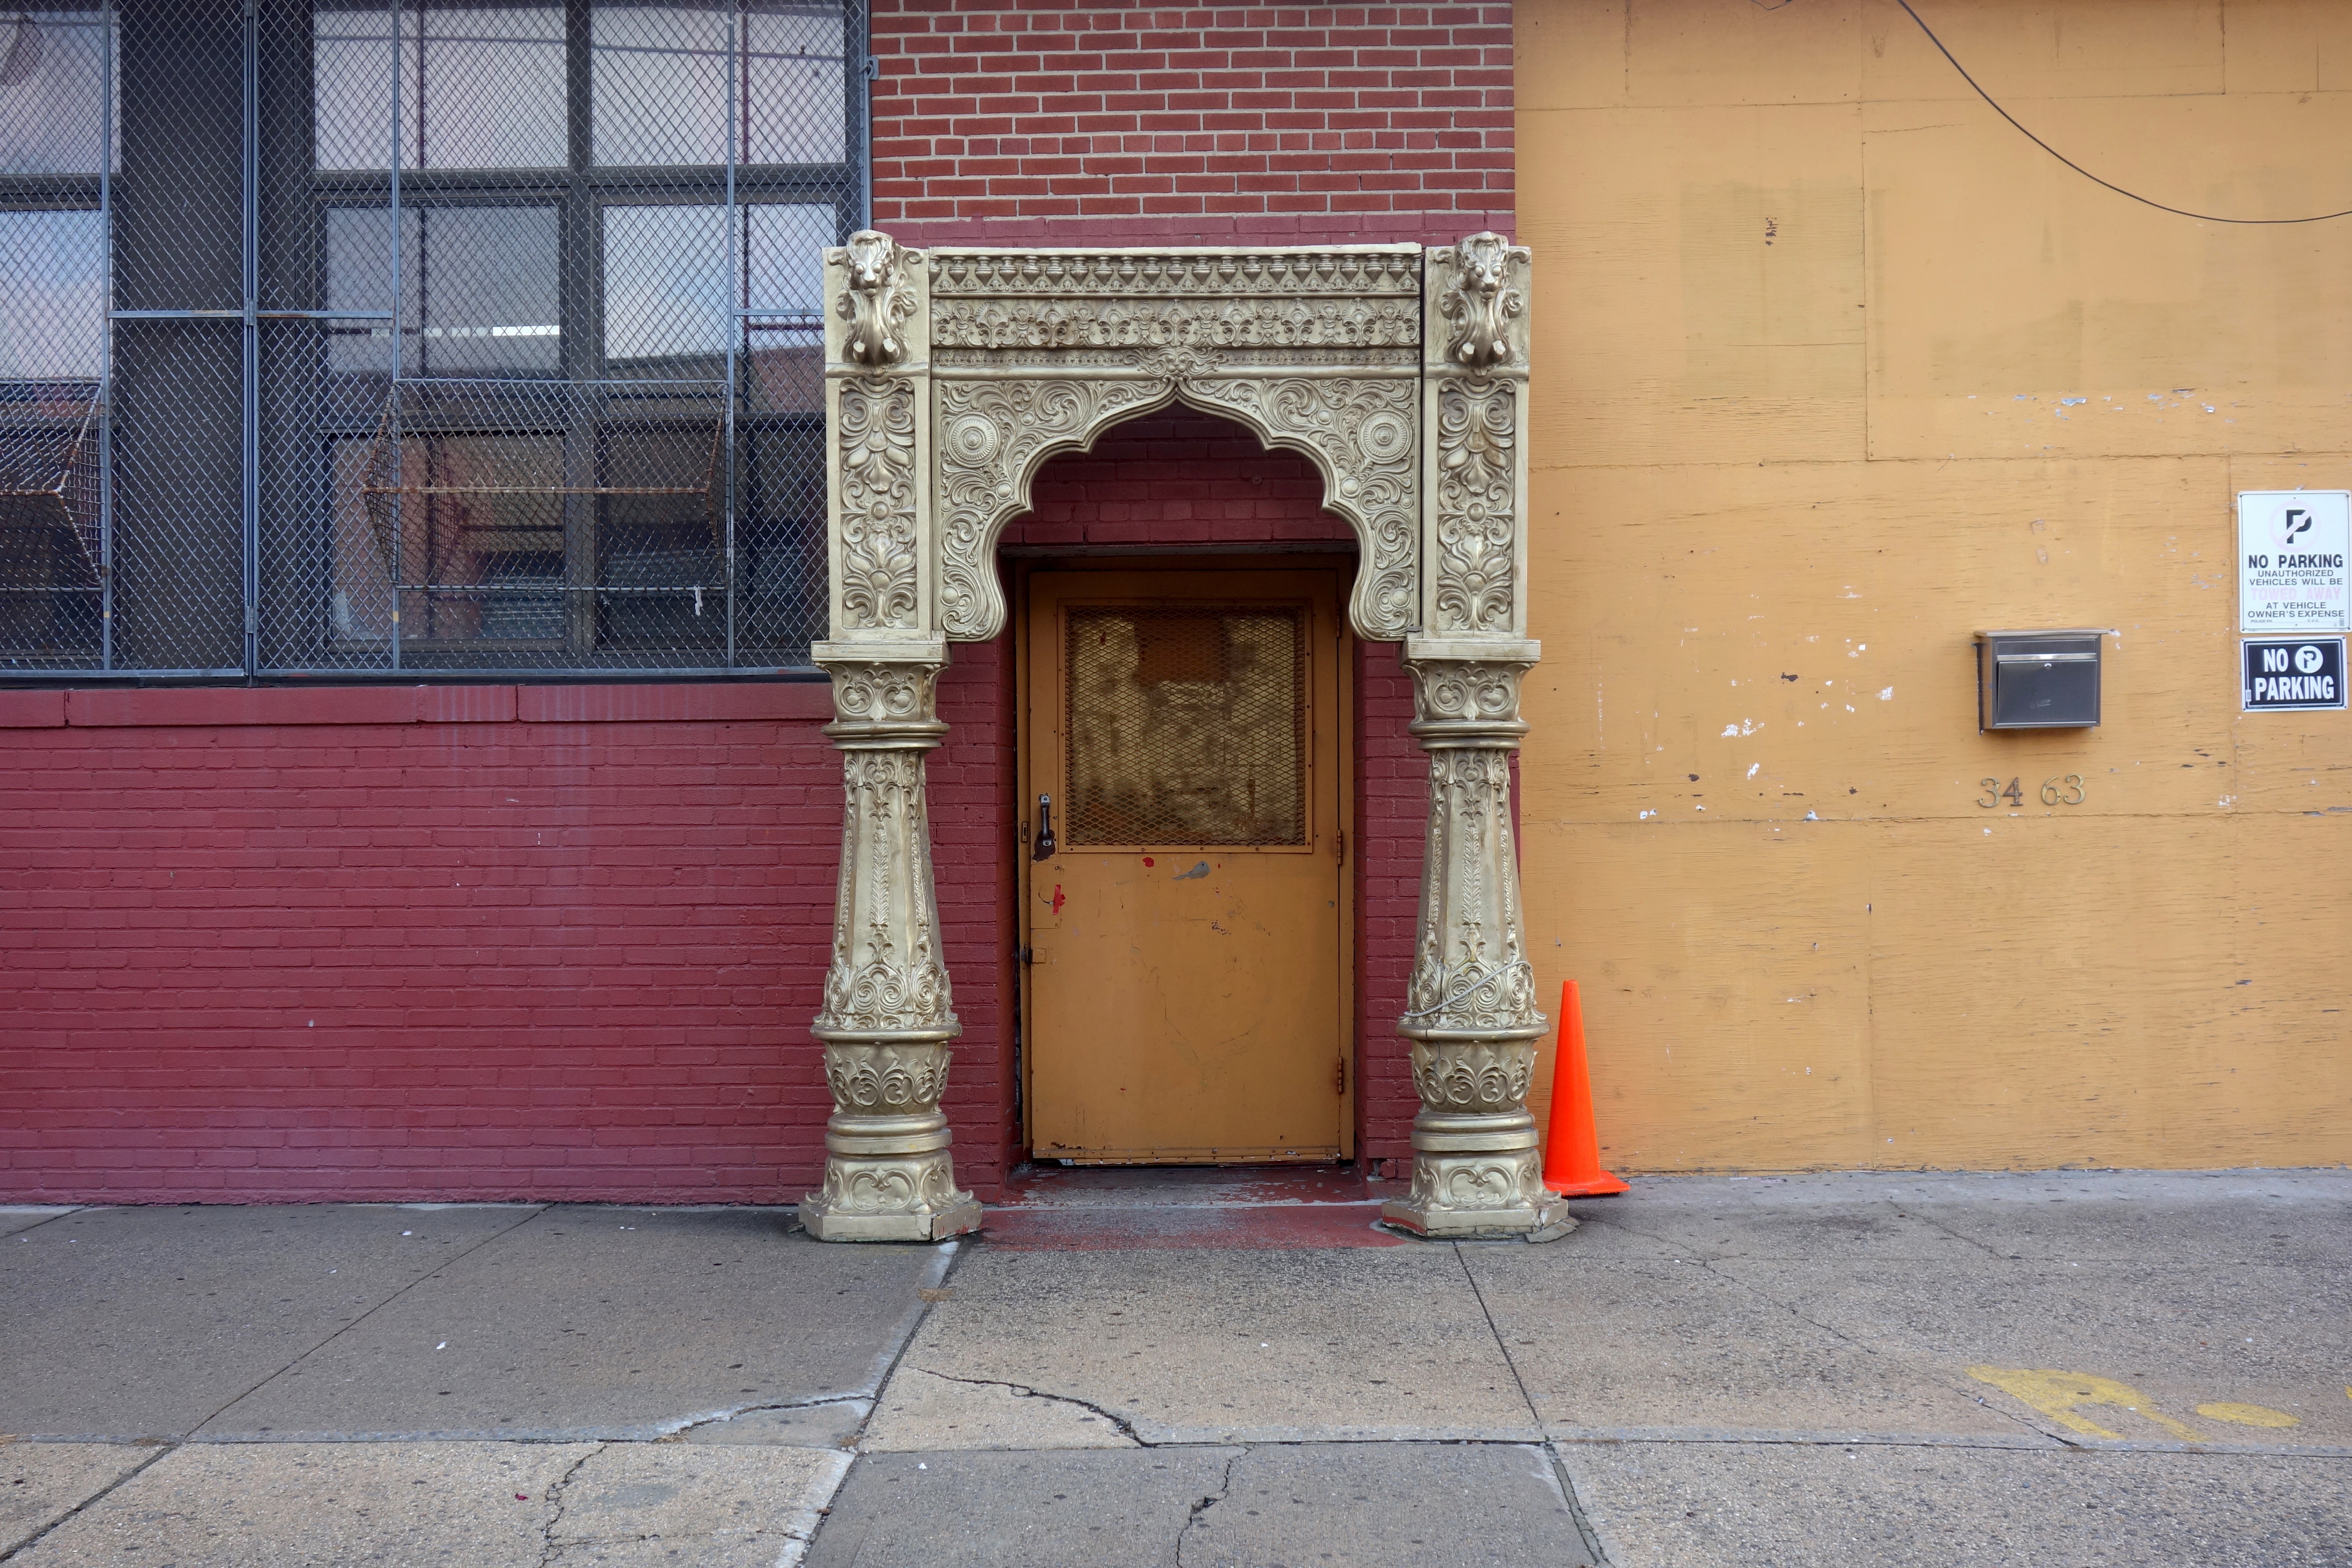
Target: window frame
291	460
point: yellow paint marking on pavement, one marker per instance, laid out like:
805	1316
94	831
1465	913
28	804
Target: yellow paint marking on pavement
2248	1414
2056	1394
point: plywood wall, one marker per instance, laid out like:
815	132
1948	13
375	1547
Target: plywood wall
1833	368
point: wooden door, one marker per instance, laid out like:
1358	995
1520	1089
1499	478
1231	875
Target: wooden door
1184	1001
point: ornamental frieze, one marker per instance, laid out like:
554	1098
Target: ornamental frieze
1355	273
1097	323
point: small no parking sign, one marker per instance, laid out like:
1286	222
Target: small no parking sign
2288	673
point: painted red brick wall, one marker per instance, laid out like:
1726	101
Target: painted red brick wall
234	969
1057	121
416	942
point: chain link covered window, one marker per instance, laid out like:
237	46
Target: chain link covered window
340	339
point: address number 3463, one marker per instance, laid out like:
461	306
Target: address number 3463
2062	789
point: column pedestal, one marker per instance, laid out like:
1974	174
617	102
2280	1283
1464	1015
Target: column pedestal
887	1015
1478	1168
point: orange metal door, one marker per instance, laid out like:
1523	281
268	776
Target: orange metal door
1185	1000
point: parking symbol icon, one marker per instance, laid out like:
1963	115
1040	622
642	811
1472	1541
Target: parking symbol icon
2292	674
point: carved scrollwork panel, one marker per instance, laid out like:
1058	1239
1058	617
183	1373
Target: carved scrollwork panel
1470	970
886	1079
885	973
1481	691
1148	323
1361	433
1475	573
1502	1182
991	436
875	441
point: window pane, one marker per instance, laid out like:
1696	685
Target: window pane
484	89
666	279
787	255
52	295
795	112
660	85
479	289
786	372
351	86
665	288
52	66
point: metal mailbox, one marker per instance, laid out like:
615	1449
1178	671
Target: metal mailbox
2038	680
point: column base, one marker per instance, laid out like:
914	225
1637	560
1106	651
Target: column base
888	1179
830	1222
1543	1219
1478	1174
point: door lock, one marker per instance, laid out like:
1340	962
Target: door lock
1044	848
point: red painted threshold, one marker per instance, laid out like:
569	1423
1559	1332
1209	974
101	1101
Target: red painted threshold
1250	1208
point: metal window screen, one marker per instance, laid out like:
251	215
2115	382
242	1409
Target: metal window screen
351	338
1187	724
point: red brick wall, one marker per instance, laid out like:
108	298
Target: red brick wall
435	942
234	970
1057	121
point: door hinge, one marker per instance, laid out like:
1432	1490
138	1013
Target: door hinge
1026	954
1343	846
1339	1078
870	68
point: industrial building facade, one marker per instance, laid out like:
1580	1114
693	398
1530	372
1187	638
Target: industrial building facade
437	472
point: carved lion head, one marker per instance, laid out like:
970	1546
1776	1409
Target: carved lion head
877	301
1482	301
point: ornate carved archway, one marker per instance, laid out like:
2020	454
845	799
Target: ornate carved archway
952	375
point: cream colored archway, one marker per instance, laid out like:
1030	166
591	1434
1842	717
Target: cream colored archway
950	376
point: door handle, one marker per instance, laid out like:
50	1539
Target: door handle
1044	848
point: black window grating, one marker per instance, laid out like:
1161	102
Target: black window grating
542	397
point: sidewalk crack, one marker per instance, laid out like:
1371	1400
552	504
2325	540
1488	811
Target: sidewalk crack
1845	1339
537	1210
1224	1486
1587	1533
163	1451
550	1546
1023	1391
1534	1417
1955	1235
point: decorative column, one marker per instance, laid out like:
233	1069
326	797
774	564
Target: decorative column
1471	1009
887	1014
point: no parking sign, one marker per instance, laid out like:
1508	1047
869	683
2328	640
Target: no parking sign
2284	674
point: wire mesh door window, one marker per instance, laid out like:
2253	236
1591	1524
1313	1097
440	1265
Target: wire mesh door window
1186	725
342	336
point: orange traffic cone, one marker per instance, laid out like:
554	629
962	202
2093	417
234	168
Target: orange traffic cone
1573	1152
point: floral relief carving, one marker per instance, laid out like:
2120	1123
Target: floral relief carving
877	528
886	1080
885	974
1469	971
1345	274
1501	1181
881	692
1479	691
1486	1077
1477	504
879	301
992	436
1086	323
1483	303
1362	430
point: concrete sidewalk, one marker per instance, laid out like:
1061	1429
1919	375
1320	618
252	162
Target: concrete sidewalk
1214	1369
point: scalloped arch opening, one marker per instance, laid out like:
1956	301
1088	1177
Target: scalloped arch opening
1357	438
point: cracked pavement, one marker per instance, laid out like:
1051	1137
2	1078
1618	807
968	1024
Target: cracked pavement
2069	1369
